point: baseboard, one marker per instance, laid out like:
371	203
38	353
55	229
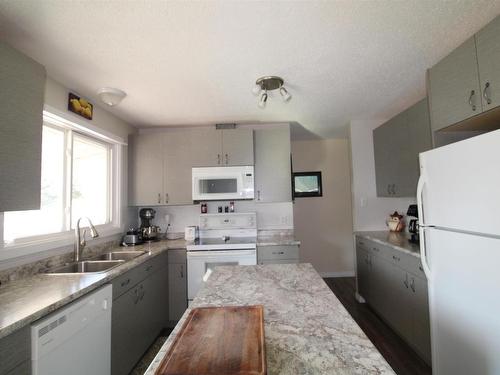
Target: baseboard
337	274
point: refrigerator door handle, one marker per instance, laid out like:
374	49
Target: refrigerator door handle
422	227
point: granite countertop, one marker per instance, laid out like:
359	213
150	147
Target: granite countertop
397	240
307	330
26	300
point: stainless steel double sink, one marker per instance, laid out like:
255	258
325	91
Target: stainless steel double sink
100	263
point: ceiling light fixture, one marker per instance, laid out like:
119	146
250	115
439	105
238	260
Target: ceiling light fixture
270	83
111	96
263	100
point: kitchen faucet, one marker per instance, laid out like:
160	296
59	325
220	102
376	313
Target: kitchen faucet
80	240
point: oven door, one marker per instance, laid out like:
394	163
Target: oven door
202	263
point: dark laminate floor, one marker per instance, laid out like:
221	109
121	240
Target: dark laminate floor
396	352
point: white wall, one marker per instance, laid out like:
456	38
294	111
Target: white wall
324	224
56	96
270	216
369	211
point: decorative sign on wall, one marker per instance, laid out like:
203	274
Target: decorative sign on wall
307	184
80	106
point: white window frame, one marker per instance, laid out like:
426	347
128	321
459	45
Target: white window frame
40	243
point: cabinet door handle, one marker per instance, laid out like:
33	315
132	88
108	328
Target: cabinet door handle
412	285
218	158
166	198
389	189
376	249
395	258
182	271
125	283
471	99
159	198
136	299
486	96
278	252
258	195
406	281
227	159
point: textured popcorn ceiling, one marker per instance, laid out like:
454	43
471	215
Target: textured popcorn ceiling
185	63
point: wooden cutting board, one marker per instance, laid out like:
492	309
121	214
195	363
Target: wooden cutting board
218	341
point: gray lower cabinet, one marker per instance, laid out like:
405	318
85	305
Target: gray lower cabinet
273	165
139	312
396	146
392	283
15	353
278	254
21	108
177	285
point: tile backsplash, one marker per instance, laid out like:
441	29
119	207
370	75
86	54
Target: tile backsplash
269	215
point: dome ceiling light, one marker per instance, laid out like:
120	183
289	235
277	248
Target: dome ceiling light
111	96
270	83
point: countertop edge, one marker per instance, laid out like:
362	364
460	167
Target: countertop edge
371	237
106	277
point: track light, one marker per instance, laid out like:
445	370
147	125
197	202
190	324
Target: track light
269	83
285	94
263	100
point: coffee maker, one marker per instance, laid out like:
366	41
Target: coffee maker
413	225
149	231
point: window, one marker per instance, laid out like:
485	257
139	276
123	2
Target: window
307	184
76	181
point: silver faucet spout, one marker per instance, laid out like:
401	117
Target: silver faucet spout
80	240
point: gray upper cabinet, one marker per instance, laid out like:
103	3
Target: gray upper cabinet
488	58
146	161
272	165
161	161
466	83
222	147
237	147
207	141
396	146
179	152
454	90
21	108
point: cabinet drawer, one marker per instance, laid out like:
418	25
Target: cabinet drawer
278	252
407	262
130	278
125	281
14	350
177	256
363	242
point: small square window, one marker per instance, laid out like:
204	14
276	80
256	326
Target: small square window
307	184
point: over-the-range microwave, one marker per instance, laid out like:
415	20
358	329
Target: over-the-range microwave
223	183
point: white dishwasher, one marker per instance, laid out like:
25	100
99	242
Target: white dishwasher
75	339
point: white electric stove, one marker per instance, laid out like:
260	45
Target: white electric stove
225	239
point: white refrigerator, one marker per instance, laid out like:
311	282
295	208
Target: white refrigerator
459	205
